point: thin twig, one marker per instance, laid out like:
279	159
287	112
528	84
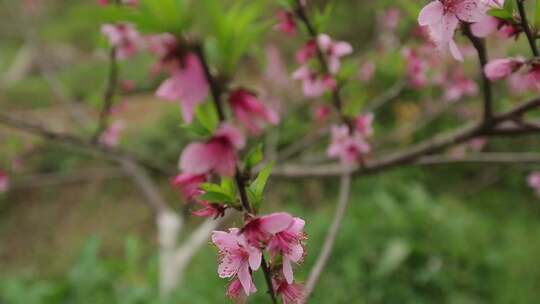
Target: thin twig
108	96
330	239
79	143
527	28
480	46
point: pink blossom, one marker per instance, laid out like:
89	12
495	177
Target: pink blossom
124	37
208	209
307	52
314	85
217	154
391	18
259	229
321	113
290	293
488	24
534	75
252	113
286	22
187	84
288	243
4	182
367	71
111	136
534	182
416	68
442	17
189	184
333	50
364	124
236	257
520	83
502	68
127	85
459	86
236	292
347	147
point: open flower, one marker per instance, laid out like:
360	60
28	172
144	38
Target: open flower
347	147
503	67
124	37
291	293
187	85
236	257
208	209
4	182
259	229
313	84
236	292
288	243
333	50
442	17
217	154
251	112
188	184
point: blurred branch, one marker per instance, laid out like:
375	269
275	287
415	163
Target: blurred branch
108	96
57	179
412	154
483	158
386	97
79	143
480	46
324	256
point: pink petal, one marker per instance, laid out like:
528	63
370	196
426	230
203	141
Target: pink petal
255	257
245	278
485	26
287	270
197	159
276	222
471	10
224	240
342	49
431	13
454	50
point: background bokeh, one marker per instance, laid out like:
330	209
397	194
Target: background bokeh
74	229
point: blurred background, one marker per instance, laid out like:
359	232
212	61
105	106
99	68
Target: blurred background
75	229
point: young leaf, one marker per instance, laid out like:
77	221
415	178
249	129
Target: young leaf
254	157
258	185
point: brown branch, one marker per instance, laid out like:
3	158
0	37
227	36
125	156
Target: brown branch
480	46
527	28
75	142
108	95
430	146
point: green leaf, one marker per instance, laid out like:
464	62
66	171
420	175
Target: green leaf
216	197
206	116
254	156
500	13
258	185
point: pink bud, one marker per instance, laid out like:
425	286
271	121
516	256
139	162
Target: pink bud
502	68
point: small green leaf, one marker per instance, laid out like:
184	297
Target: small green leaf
500	13
216	197
206	116
254	157
258	185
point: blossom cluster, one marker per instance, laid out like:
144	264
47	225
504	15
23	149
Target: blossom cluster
241	251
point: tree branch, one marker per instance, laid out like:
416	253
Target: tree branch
480	46
330	239
527	28
108	96
113	154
